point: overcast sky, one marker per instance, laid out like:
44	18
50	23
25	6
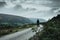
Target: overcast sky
44	9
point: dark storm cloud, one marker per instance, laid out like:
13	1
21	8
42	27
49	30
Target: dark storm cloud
32	8
17	7
55	0
54	3
2	4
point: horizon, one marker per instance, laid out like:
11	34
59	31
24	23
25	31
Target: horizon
29	19
45	9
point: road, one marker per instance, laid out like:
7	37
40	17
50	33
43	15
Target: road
21	35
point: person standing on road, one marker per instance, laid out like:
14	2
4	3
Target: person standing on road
36	29
37	22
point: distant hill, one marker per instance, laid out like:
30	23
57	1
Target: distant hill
35	20
5	18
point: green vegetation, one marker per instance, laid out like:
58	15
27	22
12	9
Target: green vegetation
51	30
9	28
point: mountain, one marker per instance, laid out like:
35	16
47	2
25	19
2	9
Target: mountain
5	18
35	20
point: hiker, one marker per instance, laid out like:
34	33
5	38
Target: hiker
37	22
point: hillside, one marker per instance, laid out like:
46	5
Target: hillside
11	23
51	30
5	18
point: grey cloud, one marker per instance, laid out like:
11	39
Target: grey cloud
55	0
54	3
17	7
25	11
31	9
2	4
